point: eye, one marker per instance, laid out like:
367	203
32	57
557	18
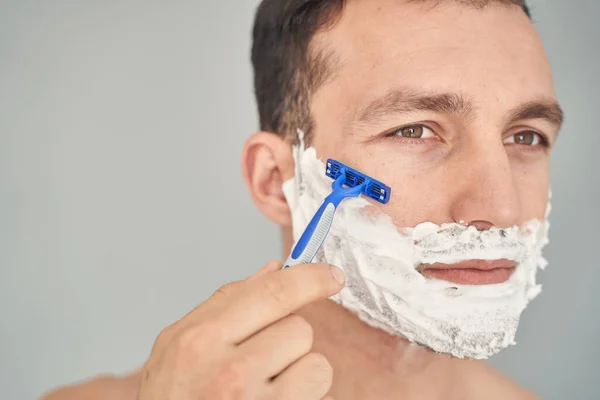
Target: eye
526	138
414	132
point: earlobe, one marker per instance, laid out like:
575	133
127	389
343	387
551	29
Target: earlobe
267	162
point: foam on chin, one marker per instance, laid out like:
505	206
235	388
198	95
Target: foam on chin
384	288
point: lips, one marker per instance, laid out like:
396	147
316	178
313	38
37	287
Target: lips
472	272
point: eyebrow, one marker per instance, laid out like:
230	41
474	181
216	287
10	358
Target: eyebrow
548	110
401	101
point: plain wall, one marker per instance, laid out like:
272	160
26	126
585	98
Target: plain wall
122	206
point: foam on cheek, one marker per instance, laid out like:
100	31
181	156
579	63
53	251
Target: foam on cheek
384	287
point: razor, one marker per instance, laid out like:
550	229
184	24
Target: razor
347	182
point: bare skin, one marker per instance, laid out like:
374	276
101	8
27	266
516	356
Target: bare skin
486	164
395	369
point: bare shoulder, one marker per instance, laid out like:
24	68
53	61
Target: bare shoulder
489	383
100	388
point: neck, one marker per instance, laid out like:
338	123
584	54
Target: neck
369	363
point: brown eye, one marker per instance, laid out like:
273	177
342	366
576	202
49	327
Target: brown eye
527	138
420	132
414	132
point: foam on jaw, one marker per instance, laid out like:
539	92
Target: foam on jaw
383	286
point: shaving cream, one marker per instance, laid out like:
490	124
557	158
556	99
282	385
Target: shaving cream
386	290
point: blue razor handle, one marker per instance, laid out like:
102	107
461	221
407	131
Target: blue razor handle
315	233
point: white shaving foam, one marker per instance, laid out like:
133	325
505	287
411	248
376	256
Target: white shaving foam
384	287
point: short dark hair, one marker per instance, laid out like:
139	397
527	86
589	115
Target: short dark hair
287	71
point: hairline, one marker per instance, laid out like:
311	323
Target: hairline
322	58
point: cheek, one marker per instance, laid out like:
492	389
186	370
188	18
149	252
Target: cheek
410	206
533	186
417	196
421	185
419	191
425	186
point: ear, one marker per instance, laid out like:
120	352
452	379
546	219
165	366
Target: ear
267	162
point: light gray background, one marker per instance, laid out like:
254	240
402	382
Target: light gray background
122	205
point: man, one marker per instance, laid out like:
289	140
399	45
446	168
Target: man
451	104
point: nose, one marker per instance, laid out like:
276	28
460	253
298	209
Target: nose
485	193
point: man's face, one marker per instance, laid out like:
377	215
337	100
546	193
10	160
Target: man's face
450	106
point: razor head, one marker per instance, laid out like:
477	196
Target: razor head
375	190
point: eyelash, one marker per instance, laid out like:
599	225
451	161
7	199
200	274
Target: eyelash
544	143
393	134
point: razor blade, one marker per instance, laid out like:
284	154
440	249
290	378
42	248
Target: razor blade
375	189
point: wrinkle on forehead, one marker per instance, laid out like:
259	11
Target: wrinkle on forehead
396	28
493	55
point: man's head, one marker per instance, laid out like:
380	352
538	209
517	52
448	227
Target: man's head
289	67
451	103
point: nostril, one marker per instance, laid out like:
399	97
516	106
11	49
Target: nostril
481	225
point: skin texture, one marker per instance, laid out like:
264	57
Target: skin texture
220	350
466	167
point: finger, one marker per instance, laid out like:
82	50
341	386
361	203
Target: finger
308	378
269	267
279	345
167	334
225	292
271	297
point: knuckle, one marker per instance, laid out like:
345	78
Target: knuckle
237	367
319	361
197	339
225	291
225	387
166	335
164	339
232	378
276	290
320	277
301	325
323	371
301	329
315	375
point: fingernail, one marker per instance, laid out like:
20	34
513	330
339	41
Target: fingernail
338	275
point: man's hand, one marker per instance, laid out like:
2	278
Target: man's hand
245	343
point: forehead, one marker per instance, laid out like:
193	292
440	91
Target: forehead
493	55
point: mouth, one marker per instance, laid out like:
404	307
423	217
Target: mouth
472	272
